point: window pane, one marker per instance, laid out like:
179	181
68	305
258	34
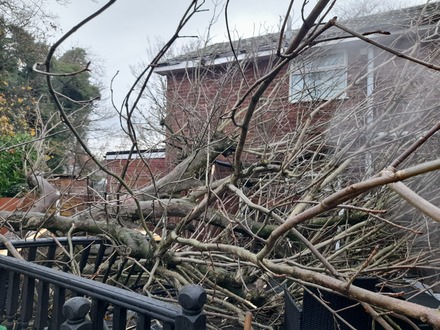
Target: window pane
329	60
325	78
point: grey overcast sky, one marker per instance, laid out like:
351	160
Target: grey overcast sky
120	37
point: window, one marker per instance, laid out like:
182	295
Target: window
320	78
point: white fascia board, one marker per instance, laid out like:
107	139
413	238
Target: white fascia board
145	155
196	63
150	155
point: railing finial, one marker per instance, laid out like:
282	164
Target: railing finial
192	298
75	310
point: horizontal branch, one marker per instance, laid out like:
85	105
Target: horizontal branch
425	314
181	207
137	243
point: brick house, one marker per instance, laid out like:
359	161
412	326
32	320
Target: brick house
203	85
136	168
338	74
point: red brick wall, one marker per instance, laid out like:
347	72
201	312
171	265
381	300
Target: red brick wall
197	101
139	172
75	194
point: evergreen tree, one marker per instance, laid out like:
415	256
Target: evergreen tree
25	102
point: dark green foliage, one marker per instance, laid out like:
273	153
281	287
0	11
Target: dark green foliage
75	91
13	155
25	102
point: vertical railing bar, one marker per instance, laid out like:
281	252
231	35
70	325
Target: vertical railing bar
32	253
3	292
130	273
49	262
121	269
59	298
13	293
167	326
66	263
84	257
97	314
111	262
27	301
100	255
139	277
41	316
119	317
143	322
27	294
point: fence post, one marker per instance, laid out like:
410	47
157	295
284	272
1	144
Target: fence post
75	310
192	298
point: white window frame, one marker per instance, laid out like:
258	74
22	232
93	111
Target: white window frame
304	89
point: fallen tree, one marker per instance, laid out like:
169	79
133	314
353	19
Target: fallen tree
320	203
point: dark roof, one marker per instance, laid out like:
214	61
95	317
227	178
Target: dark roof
223	49
391	21
123	154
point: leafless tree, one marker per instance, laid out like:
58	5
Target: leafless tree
324	182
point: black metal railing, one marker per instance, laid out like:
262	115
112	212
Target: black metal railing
32	294
92	256
319	309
